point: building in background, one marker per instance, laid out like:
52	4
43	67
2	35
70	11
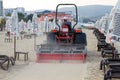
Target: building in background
1	8
20	9
53	14
10	10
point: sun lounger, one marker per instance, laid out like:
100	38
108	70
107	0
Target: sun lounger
105	63
5	60
113	72
108	50
101	45
111	67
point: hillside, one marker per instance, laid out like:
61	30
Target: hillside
90	10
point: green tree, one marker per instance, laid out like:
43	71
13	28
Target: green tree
51	20
29	17
2	23
39	15
8	14
21	16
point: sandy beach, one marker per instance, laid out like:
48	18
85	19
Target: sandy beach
30	70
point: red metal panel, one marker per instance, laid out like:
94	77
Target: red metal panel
49	56
60	57
73	56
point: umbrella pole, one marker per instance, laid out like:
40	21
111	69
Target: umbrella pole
15	47
34	41
113	56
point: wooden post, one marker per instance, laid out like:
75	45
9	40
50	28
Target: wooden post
34	41
15	47
113	53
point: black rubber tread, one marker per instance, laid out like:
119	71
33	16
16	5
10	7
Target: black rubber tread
51	37
80	38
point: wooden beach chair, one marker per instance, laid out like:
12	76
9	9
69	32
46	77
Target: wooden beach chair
106	63
111	68
5	61
108	50
101	39
113	72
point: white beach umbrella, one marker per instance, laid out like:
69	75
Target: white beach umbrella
15	22
55	25
114	27
9	25
42	26
109	32
115	9
29	26
21	25
105	24
46	24
60	23
16	29
100	24
35	22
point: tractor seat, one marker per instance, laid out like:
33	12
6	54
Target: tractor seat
69	25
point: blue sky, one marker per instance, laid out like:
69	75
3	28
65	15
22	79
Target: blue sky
51	4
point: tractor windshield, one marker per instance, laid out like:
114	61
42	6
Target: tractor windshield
66	14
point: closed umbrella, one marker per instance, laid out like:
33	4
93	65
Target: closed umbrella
46	24
21	25
35	22
15	22
16	29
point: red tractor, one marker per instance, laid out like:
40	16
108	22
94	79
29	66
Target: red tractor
64	43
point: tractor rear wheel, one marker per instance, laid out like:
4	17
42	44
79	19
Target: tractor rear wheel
51	38
80	39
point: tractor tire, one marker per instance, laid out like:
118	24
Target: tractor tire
80	39
51	38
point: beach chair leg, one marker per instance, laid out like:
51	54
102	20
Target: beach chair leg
101	64
99	48
107	75
25	57
12	60
102	52
6	66
18	56
104	69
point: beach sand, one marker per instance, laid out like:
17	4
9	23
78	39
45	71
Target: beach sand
30	70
